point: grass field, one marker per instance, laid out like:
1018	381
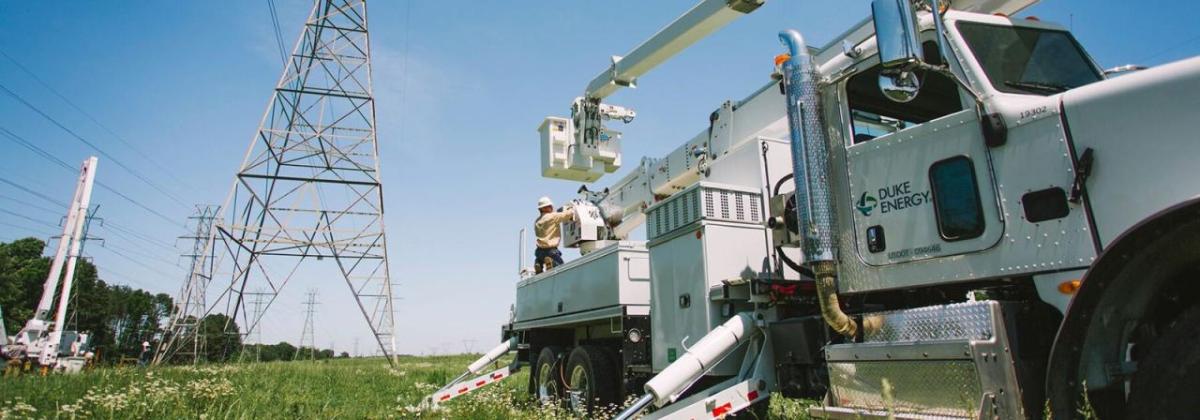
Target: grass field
342	388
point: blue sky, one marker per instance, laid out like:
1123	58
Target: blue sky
460	89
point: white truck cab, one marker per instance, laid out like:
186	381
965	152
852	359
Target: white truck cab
945	212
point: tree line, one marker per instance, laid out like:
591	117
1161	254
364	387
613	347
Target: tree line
119	318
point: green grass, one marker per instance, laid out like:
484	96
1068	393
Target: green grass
346	388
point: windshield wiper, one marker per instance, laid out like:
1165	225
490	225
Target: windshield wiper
1037	86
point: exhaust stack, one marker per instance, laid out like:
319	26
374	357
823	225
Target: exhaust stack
810	169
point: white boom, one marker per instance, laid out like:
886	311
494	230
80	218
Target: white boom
3	332
581	148
81	210
705	18
41	338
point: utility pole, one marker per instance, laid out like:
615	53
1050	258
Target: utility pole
185	330
308	333
355	347
309	188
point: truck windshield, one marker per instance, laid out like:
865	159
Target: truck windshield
1028	60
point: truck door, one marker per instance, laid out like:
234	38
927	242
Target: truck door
919	172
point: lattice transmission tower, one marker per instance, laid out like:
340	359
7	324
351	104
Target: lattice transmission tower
308	335
309	187
184	334
257	306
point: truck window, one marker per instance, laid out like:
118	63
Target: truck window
956	199
873	115
1028	60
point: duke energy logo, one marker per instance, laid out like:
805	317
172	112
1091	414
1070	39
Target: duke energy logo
866	204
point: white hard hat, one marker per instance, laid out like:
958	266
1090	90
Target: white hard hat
545	201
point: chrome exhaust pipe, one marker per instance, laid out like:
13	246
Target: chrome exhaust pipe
810	169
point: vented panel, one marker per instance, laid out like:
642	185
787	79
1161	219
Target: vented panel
703	202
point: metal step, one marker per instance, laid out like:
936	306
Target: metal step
945	361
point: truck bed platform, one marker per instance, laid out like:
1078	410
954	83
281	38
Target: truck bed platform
609	282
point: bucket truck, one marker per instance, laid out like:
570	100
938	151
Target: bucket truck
948	211
44	341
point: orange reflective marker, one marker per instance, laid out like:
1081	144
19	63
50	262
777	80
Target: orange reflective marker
1069	287
779	59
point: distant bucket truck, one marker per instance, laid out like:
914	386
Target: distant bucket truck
44	342
945	212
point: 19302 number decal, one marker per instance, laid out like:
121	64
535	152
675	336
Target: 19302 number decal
1029	113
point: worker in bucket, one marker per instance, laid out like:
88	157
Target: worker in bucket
548	230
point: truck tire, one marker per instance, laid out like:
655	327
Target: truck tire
545	379
1166	381
591	380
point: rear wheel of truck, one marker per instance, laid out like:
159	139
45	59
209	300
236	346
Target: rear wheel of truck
545	381
1165	384
592	381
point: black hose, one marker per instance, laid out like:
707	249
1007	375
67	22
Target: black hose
804	271
779	183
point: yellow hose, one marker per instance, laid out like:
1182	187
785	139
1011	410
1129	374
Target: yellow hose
831	310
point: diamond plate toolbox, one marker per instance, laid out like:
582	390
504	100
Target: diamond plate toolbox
937	361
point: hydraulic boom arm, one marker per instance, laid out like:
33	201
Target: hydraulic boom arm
581	148
705	18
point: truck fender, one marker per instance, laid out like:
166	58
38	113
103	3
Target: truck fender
1132	275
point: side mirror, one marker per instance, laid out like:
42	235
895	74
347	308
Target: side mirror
900	87
896	35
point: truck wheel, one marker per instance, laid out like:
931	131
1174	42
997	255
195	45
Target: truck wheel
591	380
545	381
1166	381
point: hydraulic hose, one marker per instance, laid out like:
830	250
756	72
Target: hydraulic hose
827	297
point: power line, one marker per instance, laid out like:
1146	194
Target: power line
94	120
278	33
132	260
128	251
35	193
27	228
50	157
28	218
102	269
1170	48
34	148
141	236
116	161
30	205
140	241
